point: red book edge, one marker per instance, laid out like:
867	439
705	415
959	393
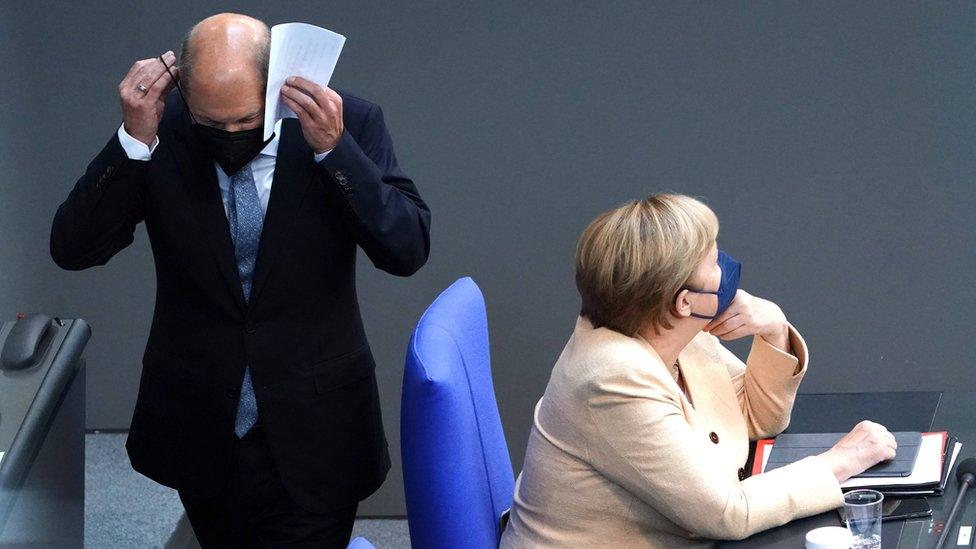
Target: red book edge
761	446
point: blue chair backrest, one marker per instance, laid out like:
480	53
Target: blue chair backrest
457	473
360	543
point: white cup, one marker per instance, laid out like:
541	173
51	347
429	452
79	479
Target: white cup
829	537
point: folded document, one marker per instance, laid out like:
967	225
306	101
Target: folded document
297	49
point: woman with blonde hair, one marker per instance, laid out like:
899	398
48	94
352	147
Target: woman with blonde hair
642	435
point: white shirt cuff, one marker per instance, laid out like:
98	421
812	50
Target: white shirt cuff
135	149
321	155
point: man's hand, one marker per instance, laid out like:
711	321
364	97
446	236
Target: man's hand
750	315
319	110
143	95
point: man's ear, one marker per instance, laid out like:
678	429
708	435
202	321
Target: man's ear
681	308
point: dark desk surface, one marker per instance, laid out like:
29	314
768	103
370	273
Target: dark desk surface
956	414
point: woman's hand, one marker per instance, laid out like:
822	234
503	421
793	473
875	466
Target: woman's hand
750	315
865	446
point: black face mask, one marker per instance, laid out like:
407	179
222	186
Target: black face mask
230	150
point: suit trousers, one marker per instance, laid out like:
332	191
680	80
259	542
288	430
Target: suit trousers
254	510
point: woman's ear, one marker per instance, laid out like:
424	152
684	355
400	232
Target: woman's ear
681	308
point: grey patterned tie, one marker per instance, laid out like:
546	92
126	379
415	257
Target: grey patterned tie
246	220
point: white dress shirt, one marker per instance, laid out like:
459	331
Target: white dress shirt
262	167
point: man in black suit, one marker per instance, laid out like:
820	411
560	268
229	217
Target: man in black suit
258	400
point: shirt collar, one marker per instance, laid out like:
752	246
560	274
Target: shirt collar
271	149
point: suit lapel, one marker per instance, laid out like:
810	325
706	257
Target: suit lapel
293	173
200	182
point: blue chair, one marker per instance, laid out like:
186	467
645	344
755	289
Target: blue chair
457	473
360	543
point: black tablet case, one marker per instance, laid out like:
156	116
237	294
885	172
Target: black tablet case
790	448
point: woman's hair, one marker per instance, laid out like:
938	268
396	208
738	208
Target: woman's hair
632	261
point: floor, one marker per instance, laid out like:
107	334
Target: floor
125	509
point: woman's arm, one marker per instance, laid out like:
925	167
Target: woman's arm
766	385
641	440
777	362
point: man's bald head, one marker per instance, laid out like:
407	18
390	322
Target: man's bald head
224	66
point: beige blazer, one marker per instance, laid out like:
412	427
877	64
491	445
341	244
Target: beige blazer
618	456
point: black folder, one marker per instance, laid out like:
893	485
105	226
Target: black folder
840	412
790	448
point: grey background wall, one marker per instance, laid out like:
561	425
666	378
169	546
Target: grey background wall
835	141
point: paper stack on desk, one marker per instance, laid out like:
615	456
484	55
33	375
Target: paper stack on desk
936	455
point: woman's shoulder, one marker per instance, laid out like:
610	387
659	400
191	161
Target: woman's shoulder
598	366
596	355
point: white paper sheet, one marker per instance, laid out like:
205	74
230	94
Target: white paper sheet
297	49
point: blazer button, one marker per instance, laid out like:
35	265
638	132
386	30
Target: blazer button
713	437
231	393
250	328
742	474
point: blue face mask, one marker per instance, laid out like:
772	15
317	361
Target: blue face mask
726	289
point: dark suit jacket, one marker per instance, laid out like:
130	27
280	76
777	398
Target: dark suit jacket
301	333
